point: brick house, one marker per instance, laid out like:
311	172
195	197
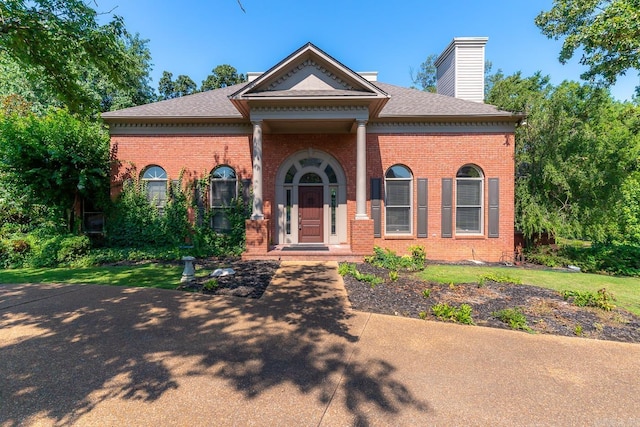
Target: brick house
337	161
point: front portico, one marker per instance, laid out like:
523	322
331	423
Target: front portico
309	93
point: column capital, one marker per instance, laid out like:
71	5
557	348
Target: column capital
362	122
257	122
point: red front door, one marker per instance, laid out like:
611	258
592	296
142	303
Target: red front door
310	214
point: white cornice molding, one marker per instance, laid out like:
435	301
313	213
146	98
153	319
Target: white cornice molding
288	109
312	112
441	127
179	129
305	113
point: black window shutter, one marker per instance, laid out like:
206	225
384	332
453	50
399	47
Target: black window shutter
447	197
376	214
494	207
246	190
422	207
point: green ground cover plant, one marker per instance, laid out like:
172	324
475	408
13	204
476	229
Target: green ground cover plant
498	278
462	314
514	317
602	299
347	268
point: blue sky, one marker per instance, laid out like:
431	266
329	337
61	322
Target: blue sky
193	36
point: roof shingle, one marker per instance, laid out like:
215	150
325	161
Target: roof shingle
215	104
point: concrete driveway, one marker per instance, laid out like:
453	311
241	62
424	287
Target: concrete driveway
299	356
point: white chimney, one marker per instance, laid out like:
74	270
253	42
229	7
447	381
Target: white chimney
460	69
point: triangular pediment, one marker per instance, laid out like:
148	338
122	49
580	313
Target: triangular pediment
309	75
309	71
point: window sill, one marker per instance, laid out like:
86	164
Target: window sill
399	237
470	237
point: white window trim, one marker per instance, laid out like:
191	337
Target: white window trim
482	204
395	233
159	206
212	180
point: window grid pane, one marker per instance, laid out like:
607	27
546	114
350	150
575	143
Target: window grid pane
398	198
398	193
468	220
398	220
157	192
469	192
222	193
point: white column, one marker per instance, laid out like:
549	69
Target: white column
361	170
257	171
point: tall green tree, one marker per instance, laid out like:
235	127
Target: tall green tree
222	76
137	90
169	88
55	42
577	149
15	84
606	32
426	77
53	160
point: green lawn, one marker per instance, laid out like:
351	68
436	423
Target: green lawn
625	289
147	275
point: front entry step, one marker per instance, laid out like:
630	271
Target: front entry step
308	253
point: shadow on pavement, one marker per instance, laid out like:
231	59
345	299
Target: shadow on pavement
66	349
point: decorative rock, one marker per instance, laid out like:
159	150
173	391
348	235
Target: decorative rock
189	272
221	272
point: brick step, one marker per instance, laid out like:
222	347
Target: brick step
281	253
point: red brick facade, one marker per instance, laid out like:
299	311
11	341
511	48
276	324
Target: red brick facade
430	156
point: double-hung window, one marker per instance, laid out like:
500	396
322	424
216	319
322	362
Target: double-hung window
469	196
398	190
224	189
154	179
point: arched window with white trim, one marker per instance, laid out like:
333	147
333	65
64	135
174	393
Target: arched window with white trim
224	189
398	201
154	179
469	200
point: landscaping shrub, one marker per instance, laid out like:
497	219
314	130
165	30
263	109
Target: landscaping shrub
209	242
38	250
386	258
610	258
133	222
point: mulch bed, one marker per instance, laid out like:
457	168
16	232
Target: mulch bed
250	278
546	310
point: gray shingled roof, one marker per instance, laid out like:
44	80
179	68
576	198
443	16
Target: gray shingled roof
210	104
403	102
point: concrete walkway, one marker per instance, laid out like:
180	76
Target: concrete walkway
299	356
